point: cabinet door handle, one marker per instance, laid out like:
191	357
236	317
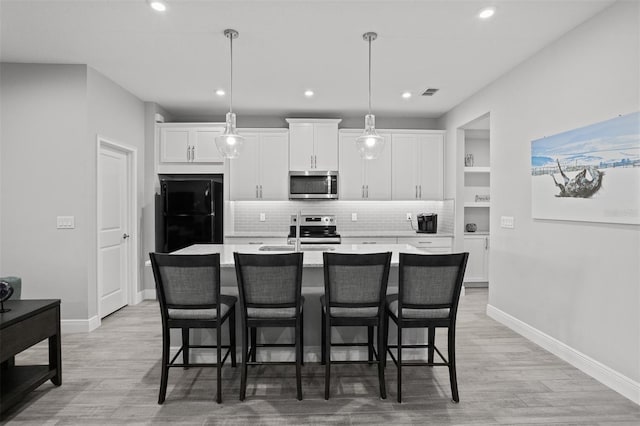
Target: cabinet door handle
362	191
416	191
256	191
367	187
425	242
188	153
311	161
486	243
369	242
255	242
420	191
193	153
260	191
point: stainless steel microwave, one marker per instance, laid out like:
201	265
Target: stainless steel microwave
313	185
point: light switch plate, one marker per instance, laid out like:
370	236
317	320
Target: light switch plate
507	222
263	217
65	222
354	217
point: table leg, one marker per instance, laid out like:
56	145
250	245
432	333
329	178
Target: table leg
55	352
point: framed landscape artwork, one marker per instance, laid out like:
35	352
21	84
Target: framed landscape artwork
589	174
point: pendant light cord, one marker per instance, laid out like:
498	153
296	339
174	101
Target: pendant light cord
369	75
231	74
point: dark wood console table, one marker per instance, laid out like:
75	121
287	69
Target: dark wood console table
29	322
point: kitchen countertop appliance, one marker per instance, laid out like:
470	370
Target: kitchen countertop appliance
427	223
314	229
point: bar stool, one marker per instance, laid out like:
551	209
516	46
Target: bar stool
188	288
355	286
428	293
270	288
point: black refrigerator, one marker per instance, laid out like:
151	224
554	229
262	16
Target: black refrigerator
188	211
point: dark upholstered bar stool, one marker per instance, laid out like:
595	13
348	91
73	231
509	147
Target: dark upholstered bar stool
355	286
270	288
428	293
188	288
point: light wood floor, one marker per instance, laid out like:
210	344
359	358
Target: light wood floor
112	376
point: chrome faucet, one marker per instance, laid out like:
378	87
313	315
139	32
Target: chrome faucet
298	218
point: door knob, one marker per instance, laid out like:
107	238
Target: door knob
125	236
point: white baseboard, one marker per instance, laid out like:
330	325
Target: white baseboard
606	375
80	326
146	294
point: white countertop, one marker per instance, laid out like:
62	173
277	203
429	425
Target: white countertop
311	258
343	234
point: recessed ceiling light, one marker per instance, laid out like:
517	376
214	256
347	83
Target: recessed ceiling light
158	5
486	13
220	92
406	95
308	93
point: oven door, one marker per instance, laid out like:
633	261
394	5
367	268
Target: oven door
313	185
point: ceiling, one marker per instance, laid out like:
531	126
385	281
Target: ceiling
179	58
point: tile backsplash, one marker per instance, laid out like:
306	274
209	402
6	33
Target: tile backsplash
387	216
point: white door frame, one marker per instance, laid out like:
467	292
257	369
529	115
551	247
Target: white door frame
132	223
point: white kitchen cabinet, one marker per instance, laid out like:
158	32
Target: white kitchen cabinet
417	165
478	263
313	144
363	179
368	240
429	244
189	144
260	172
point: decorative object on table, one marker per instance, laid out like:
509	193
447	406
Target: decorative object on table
468	160
370	143
471	227
229	143
588	174
482	198
5	293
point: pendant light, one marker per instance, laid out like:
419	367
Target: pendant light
370	143
230	142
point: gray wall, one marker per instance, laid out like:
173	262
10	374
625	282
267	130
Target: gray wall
577	282
50	117
44	172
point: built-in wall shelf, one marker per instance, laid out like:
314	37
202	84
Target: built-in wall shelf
477	169
471	204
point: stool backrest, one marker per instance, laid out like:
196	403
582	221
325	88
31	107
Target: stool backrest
431	281
269	280
187	281
356	280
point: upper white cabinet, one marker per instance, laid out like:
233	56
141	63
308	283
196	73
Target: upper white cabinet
261	170
417	161
313	144
189	144
363	179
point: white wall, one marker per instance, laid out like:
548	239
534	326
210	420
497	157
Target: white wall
117	115
578	283
43	174
50	117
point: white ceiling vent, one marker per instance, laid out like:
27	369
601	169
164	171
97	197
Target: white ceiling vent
429	92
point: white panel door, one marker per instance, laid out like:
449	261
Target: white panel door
204	146
325	146
244	170
404	165
378	174
274	159
113	205
174	145
431	165
300	146
351	171
477	265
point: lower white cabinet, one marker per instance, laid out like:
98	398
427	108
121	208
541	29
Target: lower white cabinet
429	244
478	263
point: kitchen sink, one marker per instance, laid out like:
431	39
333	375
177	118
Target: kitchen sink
314	247
276	248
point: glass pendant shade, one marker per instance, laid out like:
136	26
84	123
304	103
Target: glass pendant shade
370	144
229	143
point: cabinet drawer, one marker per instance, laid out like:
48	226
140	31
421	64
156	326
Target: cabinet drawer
426	242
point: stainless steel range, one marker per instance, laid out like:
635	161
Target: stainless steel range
314	229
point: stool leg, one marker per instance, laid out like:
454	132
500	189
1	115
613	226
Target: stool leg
185	347
232	335
164	374
432	342
245	354
299	357
219	362
323	338
302	338
254	341
327	356
381	352
452	363
370	342
399	356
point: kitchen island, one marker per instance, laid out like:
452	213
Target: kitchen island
312	289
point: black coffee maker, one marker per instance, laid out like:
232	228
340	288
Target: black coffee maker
428	223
